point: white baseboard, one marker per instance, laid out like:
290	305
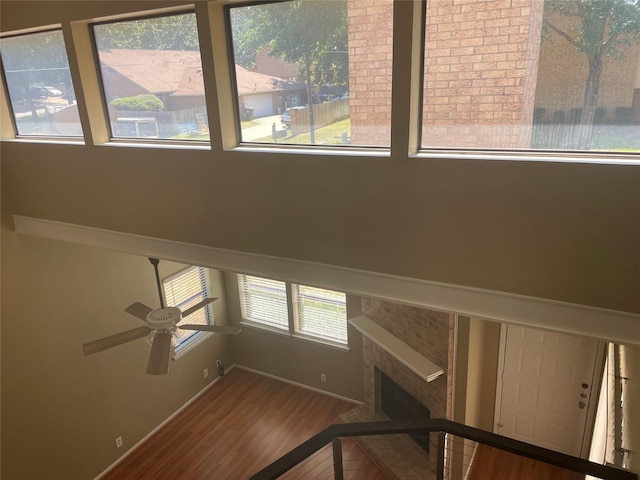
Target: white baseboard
167	420
301	385
200	393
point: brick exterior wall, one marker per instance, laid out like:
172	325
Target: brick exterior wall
370	57
479	59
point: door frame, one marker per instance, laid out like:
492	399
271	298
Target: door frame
596	382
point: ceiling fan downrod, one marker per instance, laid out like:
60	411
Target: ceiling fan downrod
155	262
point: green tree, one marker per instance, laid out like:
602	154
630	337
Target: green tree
174	32
601	28
312	33
139	103
34	59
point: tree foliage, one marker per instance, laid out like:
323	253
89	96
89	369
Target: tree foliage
598	29
34	59
139	103
295	31
174	32
601	26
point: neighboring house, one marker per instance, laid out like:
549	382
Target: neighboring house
275	67
180	84
267	95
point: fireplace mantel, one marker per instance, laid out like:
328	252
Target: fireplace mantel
402	352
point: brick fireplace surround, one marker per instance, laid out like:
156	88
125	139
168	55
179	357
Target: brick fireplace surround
431	334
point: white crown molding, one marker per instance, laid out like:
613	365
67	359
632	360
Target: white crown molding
610	325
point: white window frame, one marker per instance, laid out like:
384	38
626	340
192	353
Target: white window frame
334	327
293	301
190	338
271	314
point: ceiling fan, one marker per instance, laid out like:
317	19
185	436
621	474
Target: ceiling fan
162	322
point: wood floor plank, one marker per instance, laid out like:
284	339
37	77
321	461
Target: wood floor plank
240	425
494	464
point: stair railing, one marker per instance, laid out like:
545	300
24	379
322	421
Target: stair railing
332	435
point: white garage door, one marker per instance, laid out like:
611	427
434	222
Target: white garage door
261	103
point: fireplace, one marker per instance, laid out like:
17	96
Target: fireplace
413	349
398	404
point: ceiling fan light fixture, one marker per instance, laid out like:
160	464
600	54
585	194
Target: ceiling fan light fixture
166	317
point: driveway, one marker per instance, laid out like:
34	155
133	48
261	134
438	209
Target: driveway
262	130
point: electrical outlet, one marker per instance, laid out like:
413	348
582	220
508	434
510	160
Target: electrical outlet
118	442
206	372
323	378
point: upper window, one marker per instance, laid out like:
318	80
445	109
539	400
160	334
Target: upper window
314	72
184	290
316	314
152	78
542	75
39	84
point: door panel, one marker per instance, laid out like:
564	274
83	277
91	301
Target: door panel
546	388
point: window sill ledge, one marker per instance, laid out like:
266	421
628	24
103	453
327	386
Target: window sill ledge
296	336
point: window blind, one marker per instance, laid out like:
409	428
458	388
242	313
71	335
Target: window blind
185	289
320	313
264	301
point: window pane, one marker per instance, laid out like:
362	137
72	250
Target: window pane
39	83
264	301
184	290
152	78
530	74
338	53
321	313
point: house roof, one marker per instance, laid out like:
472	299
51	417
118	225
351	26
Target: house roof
179	72
154	70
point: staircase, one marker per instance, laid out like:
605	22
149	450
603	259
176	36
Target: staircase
463	453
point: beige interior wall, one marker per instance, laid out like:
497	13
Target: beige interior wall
61	411
476	368
295	359
567	232
484	345
543	229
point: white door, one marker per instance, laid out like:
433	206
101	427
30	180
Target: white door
547	381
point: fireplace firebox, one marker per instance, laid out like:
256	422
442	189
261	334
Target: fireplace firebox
398	404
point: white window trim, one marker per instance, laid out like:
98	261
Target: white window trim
291	312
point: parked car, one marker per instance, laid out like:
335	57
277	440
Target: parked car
37	92
286	117
52	91
45	91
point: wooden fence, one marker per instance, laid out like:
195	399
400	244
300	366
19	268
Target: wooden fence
323	114
190	121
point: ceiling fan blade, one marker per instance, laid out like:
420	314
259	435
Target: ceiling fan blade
115	340
160	354
138	310
198	306
211	328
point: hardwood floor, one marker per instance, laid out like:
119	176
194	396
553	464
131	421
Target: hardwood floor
240	425
490	463
246	421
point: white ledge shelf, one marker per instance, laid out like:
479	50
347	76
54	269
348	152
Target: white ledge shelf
416	362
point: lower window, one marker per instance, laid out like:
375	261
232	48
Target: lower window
183	290
315	313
